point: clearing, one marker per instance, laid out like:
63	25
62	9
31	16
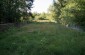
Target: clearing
42	39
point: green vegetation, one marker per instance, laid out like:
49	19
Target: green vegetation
12	10
40	16
42	39
69	12
65	12
43	17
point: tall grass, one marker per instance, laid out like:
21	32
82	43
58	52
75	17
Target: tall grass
42	39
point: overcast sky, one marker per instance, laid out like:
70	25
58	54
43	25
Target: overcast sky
41	5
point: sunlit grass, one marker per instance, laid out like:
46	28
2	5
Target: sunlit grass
42	39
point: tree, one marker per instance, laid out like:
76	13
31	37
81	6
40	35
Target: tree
79	13
12	10
52	15
55	9
67	16
73	13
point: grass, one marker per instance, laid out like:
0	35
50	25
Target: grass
42	39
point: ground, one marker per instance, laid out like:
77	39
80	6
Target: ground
42	39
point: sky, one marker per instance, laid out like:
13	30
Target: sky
41	5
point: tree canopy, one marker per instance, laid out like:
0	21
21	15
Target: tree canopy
12	10
69	12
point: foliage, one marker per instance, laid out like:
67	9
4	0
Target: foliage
12	10
55	9
69	12
79	13
52	12
74	12
39	16
67	17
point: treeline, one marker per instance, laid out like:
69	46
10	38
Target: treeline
69	12
40	16
15	10
44	16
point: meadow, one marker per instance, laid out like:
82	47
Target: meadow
42	39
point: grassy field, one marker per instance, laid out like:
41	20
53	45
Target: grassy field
42	39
